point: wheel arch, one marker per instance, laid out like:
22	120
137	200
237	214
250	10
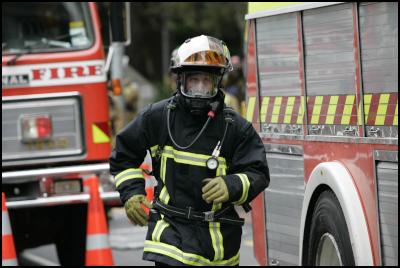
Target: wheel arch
334	176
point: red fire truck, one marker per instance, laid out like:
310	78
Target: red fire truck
322	91
55	120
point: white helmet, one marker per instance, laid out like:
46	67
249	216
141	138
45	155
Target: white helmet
201	58
203	52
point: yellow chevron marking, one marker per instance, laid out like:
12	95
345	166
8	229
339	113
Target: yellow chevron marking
348	107
317	110
289	110
98	135
382	108
301	112
331	110
250	109
367	104
264	109
275	111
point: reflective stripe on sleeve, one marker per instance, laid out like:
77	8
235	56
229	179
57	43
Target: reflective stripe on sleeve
128	174
245	186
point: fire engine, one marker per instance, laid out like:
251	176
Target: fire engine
322	92
55	118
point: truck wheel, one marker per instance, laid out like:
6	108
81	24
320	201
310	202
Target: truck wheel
329	241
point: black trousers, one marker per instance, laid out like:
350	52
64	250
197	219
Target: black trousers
160	264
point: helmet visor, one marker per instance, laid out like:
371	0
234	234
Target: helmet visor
200	85
203	51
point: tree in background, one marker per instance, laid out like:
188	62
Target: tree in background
157	28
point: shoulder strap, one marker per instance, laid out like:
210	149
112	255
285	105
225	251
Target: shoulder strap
163	138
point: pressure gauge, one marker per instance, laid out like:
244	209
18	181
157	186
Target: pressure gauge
212	163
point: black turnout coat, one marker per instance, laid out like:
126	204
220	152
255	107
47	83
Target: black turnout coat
179	174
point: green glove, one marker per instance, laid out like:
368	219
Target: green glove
215	190
134	210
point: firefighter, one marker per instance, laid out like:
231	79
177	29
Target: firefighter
206	159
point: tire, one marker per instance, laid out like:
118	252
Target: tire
329	241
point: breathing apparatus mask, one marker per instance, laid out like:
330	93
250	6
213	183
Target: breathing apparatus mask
200	63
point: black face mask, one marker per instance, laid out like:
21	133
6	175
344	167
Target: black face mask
198	106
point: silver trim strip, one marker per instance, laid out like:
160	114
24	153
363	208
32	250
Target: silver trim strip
128	23
81	169
61	200
49	201
294	8
284	148
40	161
41	96
358	140
387	156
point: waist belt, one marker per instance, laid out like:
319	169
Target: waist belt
191	214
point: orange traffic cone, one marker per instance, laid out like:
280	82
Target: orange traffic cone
98	251
9	257
149	188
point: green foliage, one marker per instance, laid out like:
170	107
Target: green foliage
182	20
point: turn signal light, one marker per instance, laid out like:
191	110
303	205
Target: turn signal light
36	127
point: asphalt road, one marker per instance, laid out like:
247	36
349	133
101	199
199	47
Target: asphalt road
127	240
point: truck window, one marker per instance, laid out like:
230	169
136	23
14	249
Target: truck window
379	60
45	27
279	73
330	70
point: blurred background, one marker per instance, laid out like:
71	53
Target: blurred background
158	29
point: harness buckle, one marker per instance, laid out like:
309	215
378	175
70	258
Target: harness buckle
188	216
209	216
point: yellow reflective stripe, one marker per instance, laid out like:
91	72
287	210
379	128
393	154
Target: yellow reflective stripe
153	150
118	183
289	110
331	110
190	158
316	110
245	187
367	104
130	171
301	112
260	6
216	235
275	111
250	108
348	107
382	108
164	196
215	227
183	158
395	120
184	257
264	109
128	174
158	230
217	240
